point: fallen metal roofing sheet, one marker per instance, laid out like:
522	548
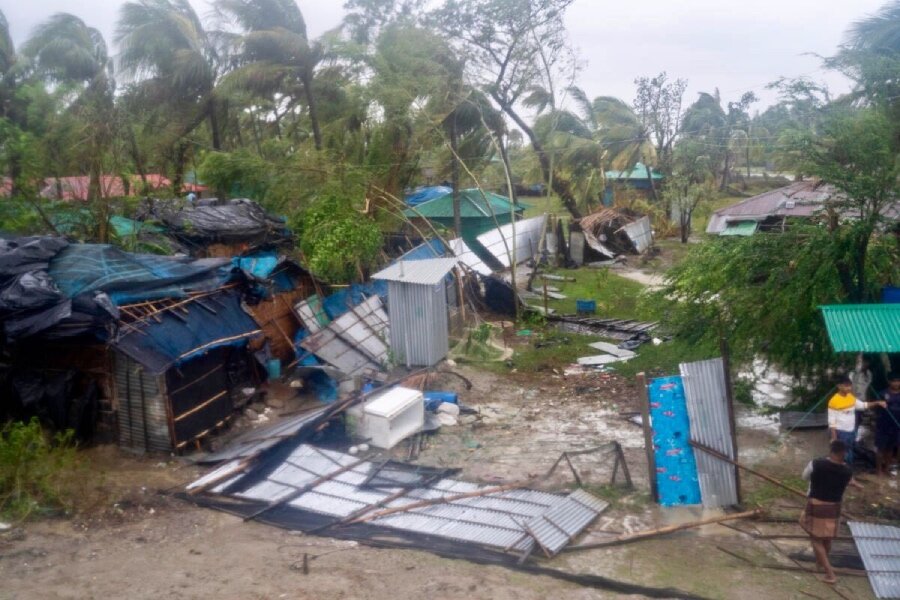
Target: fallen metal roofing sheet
465	255
499	242
640	233
355	341
707	404
863	327
259	439
879	547
333	484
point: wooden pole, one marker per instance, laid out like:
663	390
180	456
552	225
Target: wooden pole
768	478
443	500
729	399
546	307
642	535
648	434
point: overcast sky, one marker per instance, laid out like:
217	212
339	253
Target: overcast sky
735	46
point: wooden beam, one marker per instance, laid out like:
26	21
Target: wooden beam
648	434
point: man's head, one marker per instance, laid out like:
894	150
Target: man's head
844	385
894	381
838	450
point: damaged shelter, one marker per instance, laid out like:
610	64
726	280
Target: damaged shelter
166	343
608	233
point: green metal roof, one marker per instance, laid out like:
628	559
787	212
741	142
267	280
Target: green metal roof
744	228
472	205
863	327
639	171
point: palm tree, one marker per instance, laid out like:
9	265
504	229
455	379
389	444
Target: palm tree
65	51
166	49
620	132
275	53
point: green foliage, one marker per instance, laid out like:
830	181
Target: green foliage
339	243
33	468
763	292
241	173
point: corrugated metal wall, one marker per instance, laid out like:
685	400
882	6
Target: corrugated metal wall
141	408
419	330
707	404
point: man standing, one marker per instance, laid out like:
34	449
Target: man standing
828	479
842	409
887	426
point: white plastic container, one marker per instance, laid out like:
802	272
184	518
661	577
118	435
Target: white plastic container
392	416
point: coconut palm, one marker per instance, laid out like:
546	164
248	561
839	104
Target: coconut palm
275	53
166	50
624	138
66	52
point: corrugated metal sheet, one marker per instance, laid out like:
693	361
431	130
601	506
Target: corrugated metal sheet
495	520
707	404
465	255
424	272
355	341
499	242
879	547
256	440
863	327
419	327
141	407
640	233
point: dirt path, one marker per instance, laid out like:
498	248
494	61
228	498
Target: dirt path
144	544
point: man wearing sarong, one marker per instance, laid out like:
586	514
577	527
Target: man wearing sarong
828	479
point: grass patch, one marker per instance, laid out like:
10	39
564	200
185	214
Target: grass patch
620	496
616	296
548	350
663	360
764	494
35	470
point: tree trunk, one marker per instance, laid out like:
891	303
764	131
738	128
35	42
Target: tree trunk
178	177
454	174
313	108
653	195
725	170
560	185
138	160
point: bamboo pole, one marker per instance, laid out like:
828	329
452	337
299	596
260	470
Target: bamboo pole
443	500
642	535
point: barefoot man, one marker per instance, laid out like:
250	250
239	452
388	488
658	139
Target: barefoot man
828	479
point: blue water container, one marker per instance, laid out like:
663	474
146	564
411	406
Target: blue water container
586	307
890	294
434	399
274	369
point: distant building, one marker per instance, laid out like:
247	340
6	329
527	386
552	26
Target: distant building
634	179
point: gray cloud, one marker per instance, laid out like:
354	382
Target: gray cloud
736	47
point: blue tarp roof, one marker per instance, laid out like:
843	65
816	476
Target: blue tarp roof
215	321
126	277
424	194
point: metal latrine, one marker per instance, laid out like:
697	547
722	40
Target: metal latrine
418	307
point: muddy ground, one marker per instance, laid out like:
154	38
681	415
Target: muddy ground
132	539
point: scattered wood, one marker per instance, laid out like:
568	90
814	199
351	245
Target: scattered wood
550	277
642	535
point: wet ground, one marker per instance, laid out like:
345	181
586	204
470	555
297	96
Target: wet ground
138	542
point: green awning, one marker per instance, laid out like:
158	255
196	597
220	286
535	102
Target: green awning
863	327
743	228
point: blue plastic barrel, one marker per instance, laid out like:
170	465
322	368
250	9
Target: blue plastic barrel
586	307
890	294
435	399
274	369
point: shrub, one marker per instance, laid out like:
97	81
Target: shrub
33	468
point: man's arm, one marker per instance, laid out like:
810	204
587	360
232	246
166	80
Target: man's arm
807	472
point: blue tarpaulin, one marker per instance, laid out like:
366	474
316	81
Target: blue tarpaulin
259	264
676	468
126	277
424	194
174	338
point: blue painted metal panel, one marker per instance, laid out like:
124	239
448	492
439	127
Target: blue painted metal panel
676	468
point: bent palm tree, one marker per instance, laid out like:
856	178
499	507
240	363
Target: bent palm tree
275	53
167	51
64	50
